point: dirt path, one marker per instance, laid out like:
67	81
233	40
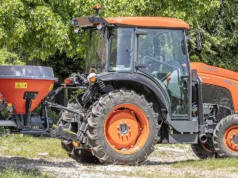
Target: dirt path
160	164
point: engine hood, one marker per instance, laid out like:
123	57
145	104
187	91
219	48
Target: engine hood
208	69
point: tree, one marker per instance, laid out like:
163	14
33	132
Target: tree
38	29
41	28
8	58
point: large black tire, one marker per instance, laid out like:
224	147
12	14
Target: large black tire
204	150
97	118
80	155
221	130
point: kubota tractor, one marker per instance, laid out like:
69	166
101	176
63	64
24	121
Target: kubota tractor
139	89
142	90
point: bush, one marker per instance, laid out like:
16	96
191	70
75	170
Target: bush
51	114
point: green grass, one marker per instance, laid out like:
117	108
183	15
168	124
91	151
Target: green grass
208	164
14	173
30	147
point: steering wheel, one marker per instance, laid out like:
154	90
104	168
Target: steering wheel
166	76
154	62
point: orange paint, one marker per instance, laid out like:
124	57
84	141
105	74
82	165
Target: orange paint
136	126
219	77
14	95
75	144
162	22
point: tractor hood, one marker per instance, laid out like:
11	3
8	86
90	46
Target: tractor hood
211	70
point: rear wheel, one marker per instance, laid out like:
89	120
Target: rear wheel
80	155
225	137
123	128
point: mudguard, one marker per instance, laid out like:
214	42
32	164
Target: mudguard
154	85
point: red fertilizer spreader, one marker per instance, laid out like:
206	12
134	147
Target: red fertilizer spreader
22	89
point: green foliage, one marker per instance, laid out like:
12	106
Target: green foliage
221	35
8	58
52	114
41	28
63	65
3	132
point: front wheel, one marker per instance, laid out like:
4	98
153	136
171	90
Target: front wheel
204	150
225	137
122	128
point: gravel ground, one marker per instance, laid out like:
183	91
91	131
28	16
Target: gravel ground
159	164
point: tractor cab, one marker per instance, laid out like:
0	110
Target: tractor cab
154	47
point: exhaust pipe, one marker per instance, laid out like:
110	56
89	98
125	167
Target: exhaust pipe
203	138
7	123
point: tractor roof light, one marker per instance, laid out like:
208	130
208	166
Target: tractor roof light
92	78
97	9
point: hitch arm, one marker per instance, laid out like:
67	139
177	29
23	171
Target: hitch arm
54	105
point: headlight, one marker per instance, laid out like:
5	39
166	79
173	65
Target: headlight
92	77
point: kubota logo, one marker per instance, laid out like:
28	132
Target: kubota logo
211	69
231	83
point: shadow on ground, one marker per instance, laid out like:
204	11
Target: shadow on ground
27	163
150	162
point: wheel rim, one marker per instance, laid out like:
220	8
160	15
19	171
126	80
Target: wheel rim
126	128
231	138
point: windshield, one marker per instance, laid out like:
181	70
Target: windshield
163	51
121	43
96	53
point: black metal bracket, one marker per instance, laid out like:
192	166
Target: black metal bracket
198	82
19	125
40	131
29	96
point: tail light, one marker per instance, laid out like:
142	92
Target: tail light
68	81
1	97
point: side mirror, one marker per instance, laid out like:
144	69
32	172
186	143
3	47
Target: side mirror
199	41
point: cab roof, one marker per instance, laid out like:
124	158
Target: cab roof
162	22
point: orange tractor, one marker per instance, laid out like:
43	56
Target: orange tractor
143	90
139	89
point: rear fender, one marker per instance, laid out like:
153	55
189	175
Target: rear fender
155	86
